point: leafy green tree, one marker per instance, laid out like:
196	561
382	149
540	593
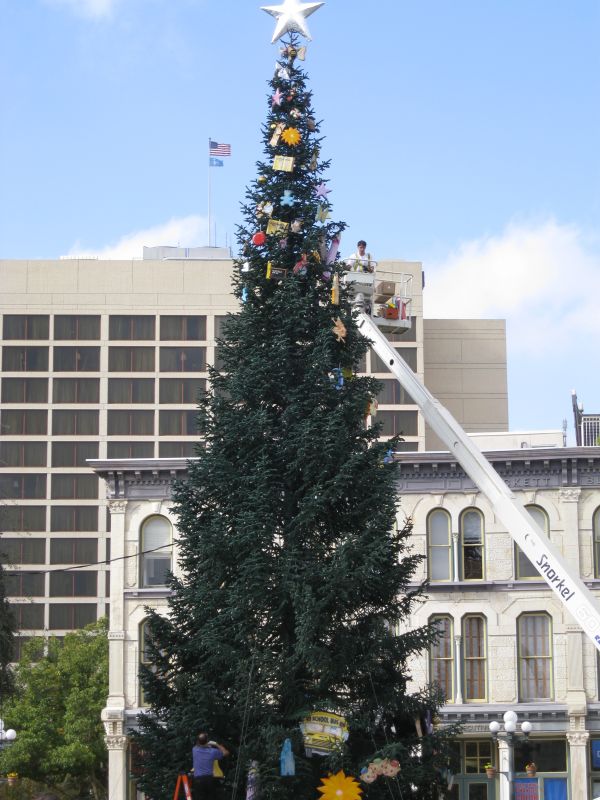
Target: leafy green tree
60	690
7	637
296	581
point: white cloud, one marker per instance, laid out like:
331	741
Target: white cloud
96	9
544	279
189	231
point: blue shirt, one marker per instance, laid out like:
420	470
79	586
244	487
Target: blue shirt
203	758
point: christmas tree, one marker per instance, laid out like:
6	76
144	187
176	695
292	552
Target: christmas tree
295	580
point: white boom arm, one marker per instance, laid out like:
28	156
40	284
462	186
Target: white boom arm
561	578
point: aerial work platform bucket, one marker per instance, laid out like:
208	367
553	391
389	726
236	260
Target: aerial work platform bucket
385	296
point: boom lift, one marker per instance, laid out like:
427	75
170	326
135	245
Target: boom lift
562	579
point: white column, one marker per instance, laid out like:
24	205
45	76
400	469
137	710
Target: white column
503	763
578	744
456	571
458	660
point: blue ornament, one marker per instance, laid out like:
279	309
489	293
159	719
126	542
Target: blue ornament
244	294
337	377
389	457
287	764
288	198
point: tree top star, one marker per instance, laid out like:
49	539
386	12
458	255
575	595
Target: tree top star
291	16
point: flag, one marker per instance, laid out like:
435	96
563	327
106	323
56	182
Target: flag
217	149
215	162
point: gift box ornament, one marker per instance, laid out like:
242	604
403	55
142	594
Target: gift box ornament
277	226
283	163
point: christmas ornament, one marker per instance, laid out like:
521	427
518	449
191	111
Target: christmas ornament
301	54
261	178
276	99
322	213
314	162
259	238
252	784
340	787
283	163
333	249
311	124
282	72
326	275
291	136
371	410
317	256
278	130
244	294
287	765
335	290
295	113
288	198
292	52
339	329
283	243
337	378
301	267
277	226
296	226
321	190
291	16
269	270
323	732
245	267
389	457
263	209
386	767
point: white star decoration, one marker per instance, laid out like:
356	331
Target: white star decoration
291	16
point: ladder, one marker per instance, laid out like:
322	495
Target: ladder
562	579
182	780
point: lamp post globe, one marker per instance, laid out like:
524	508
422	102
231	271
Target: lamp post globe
526	727
494	728
509	716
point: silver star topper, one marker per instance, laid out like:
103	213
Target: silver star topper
291	16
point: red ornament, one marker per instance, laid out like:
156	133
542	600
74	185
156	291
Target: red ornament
259	238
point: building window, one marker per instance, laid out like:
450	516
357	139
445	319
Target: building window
131	359
77	327
25	390
474	657
23	454
21	422
74	423
73	550
145	659
396	423
155	547
25	359
441	662
25	326
74	486
439	545
182	328
477	754
28	616
393	394
130	450
76	390
76	359
182	359
24	519
130	327
74	518
471	538
534	641
181	390
408	354
178	423
177	449
70	616
73	454
22	551
596	529
130	423
22	487
24	584
524	569
73	584
130	390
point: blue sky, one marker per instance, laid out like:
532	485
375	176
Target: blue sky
464	135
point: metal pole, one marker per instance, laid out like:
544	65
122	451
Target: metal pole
511	765
209	169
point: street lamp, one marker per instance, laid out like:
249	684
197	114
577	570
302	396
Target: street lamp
6	736
510	730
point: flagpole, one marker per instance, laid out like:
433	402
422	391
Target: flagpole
209	141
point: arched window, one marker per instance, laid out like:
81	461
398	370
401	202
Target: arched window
155	549
524	569
439	546
596	530
534	641
441	660
144	639
472	544
474	657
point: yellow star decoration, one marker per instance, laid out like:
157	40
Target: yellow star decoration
340	331
340	787
291	136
